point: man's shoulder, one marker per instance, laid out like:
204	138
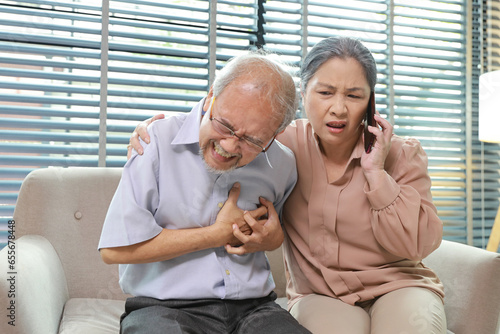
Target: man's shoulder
167	127
283	162
283	152
171	120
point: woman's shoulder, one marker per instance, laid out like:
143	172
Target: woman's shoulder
405	144
298	125
405	150
296	131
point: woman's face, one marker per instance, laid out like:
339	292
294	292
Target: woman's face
335	101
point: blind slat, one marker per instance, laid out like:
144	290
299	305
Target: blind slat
158	62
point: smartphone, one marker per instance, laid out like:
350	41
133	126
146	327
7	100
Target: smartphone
370	120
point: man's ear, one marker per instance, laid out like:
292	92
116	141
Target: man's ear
208	99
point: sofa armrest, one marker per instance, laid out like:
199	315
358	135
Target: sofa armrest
471	282
32	292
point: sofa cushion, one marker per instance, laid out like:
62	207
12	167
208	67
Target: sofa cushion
91	316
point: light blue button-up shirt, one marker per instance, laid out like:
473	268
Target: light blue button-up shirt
169	187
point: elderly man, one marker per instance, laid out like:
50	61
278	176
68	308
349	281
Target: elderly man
191	255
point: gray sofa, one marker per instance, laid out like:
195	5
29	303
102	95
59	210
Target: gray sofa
55	281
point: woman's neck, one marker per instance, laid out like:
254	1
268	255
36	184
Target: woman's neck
338	154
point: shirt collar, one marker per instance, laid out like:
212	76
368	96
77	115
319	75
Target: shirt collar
189	133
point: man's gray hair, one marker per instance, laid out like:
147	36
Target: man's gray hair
266	72
338	47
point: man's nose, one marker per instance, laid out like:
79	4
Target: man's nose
231	144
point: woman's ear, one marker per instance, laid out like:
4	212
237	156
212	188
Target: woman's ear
302	100
301	93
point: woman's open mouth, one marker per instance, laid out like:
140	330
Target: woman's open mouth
335	126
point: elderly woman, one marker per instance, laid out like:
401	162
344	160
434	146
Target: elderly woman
357	224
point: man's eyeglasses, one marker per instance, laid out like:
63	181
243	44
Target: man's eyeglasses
246	143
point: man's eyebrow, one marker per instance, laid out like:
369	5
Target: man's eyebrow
254	140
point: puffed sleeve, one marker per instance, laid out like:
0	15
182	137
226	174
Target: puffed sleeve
404	219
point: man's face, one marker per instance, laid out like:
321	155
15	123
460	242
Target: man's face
241	108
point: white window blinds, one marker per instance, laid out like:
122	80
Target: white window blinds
420	49
157	57
160	57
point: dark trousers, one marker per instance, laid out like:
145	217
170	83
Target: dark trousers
204	316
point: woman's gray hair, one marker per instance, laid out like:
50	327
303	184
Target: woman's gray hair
338	47
267	73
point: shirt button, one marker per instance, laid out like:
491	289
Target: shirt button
227	272
220	205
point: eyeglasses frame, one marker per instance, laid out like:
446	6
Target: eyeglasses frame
233	134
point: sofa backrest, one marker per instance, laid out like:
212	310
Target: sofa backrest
67	206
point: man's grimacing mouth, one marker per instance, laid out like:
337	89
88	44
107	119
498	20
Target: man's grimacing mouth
220	151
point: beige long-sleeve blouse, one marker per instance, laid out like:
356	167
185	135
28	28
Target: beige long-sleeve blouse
353	243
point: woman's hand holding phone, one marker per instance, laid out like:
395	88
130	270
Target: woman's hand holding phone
378	136
369	137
